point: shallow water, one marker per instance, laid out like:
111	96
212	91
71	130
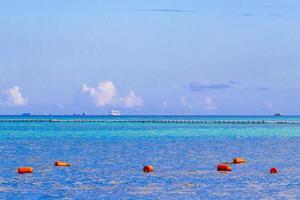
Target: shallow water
107	159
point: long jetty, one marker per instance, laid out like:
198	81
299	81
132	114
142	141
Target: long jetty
149	121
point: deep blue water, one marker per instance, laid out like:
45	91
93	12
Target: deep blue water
107	159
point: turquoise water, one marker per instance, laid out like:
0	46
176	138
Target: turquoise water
107	159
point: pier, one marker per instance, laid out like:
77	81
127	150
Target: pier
147	121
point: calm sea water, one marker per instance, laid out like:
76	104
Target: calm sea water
107	159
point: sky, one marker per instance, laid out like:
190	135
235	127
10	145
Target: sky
159	57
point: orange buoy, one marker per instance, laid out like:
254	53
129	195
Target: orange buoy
273	170
238	160
148	168
62	164
224	167
24	170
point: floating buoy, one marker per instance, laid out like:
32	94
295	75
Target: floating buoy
224	167
148	168
24	170
273	170
62	164
238	160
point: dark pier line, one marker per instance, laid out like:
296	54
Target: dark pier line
150	121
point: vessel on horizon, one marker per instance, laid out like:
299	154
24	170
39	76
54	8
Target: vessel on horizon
114	112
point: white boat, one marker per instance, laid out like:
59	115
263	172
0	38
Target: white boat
114	112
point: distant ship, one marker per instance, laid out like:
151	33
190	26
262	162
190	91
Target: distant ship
114	112
278	114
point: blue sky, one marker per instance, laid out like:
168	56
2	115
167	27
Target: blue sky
150	57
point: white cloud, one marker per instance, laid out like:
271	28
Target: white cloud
205	103
131	100
208	103
105	93
13	97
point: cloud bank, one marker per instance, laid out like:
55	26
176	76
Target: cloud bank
208	103
13	97
205	102
131	100
105	94
197	87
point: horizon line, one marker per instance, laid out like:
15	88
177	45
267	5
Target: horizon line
167	115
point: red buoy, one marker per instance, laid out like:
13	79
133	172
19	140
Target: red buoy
24	170
273	170
148	168
224	167
238	160
62	164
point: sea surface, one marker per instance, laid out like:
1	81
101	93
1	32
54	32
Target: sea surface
107	158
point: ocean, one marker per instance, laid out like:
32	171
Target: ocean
107	157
